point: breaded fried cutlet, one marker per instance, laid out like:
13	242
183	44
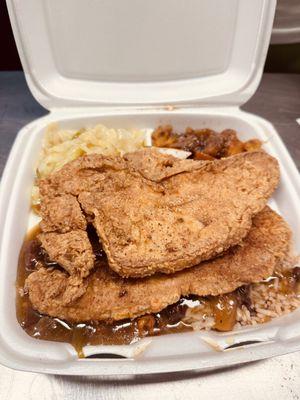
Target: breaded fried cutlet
156	213
107	296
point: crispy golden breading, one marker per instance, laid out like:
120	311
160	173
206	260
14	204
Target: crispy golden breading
181	212
72	250
87	173
109	296
156	213
61	214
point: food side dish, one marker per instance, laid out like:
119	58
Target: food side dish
86	279
203	144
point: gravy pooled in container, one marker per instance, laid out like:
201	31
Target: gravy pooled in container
170	320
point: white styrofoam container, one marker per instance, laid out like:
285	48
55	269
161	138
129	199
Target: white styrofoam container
205	59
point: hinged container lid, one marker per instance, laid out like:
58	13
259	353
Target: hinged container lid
139	52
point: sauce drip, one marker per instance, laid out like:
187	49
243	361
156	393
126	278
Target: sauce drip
224	309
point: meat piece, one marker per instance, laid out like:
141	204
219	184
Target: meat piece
61	213
88	173
71	250
156	166
177	213
68	289
108	296
64	237
157	213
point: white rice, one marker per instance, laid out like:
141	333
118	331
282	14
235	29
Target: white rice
268	301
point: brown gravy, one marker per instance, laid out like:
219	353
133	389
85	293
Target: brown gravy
39	326
222	308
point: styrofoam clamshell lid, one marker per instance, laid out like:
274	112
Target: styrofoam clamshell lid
130	52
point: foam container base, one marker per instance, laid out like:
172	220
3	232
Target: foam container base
177	352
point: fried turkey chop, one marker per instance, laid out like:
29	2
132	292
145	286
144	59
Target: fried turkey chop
156	213
108	296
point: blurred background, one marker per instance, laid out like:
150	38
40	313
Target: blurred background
283	55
